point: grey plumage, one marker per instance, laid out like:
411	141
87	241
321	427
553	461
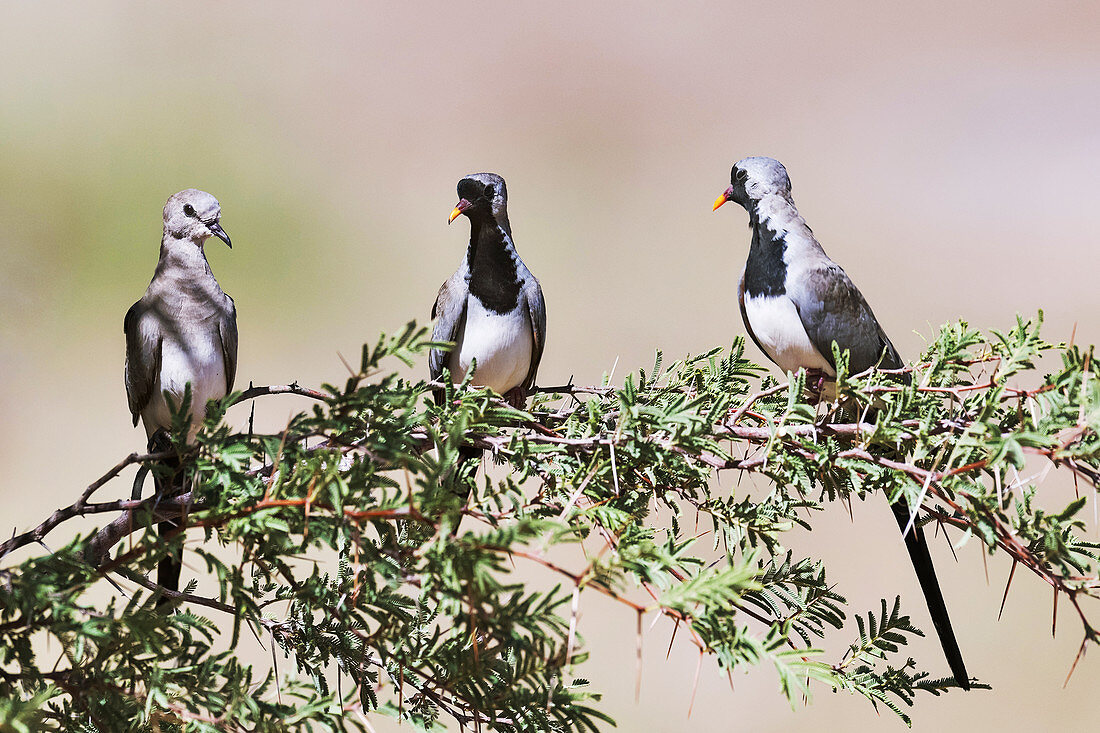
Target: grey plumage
184	329
449	312
536	311
796	303
786	264
492	307
833	309
182	333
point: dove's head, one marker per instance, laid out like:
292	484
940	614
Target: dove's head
481	194
195	215
754	178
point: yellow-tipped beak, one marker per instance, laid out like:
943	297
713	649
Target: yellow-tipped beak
720	200
461	206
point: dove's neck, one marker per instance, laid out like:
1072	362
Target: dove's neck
492	260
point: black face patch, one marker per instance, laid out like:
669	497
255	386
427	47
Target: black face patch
738	179
765	271
470	189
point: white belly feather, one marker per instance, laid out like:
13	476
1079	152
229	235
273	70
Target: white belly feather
202	365
777	326
501	344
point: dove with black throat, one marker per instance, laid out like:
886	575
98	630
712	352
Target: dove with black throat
491	308
796	302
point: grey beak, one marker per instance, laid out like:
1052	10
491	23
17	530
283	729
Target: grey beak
216	229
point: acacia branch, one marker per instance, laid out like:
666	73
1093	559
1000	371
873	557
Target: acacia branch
80	506
293	388
290	490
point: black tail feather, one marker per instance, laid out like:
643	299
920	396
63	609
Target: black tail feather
171	565
921	558
465	453
917	546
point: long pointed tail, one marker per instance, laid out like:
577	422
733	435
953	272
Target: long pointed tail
926	573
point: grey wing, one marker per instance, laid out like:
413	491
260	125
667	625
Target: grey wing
832	309
227	331
745	317
449	311
536	310
143	352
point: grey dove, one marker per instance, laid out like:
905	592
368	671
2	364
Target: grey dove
182	332
796	303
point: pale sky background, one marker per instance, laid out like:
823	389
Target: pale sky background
944	153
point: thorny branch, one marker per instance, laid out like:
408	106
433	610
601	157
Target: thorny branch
950	492
533	432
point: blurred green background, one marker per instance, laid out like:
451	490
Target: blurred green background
945	154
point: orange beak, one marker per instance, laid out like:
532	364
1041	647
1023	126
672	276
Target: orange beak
461	206
723	198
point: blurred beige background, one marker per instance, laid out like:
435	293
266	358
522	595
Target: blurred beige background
945	155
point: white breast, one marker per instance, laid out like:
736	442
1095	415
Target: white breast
777	326
501	344
199	362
